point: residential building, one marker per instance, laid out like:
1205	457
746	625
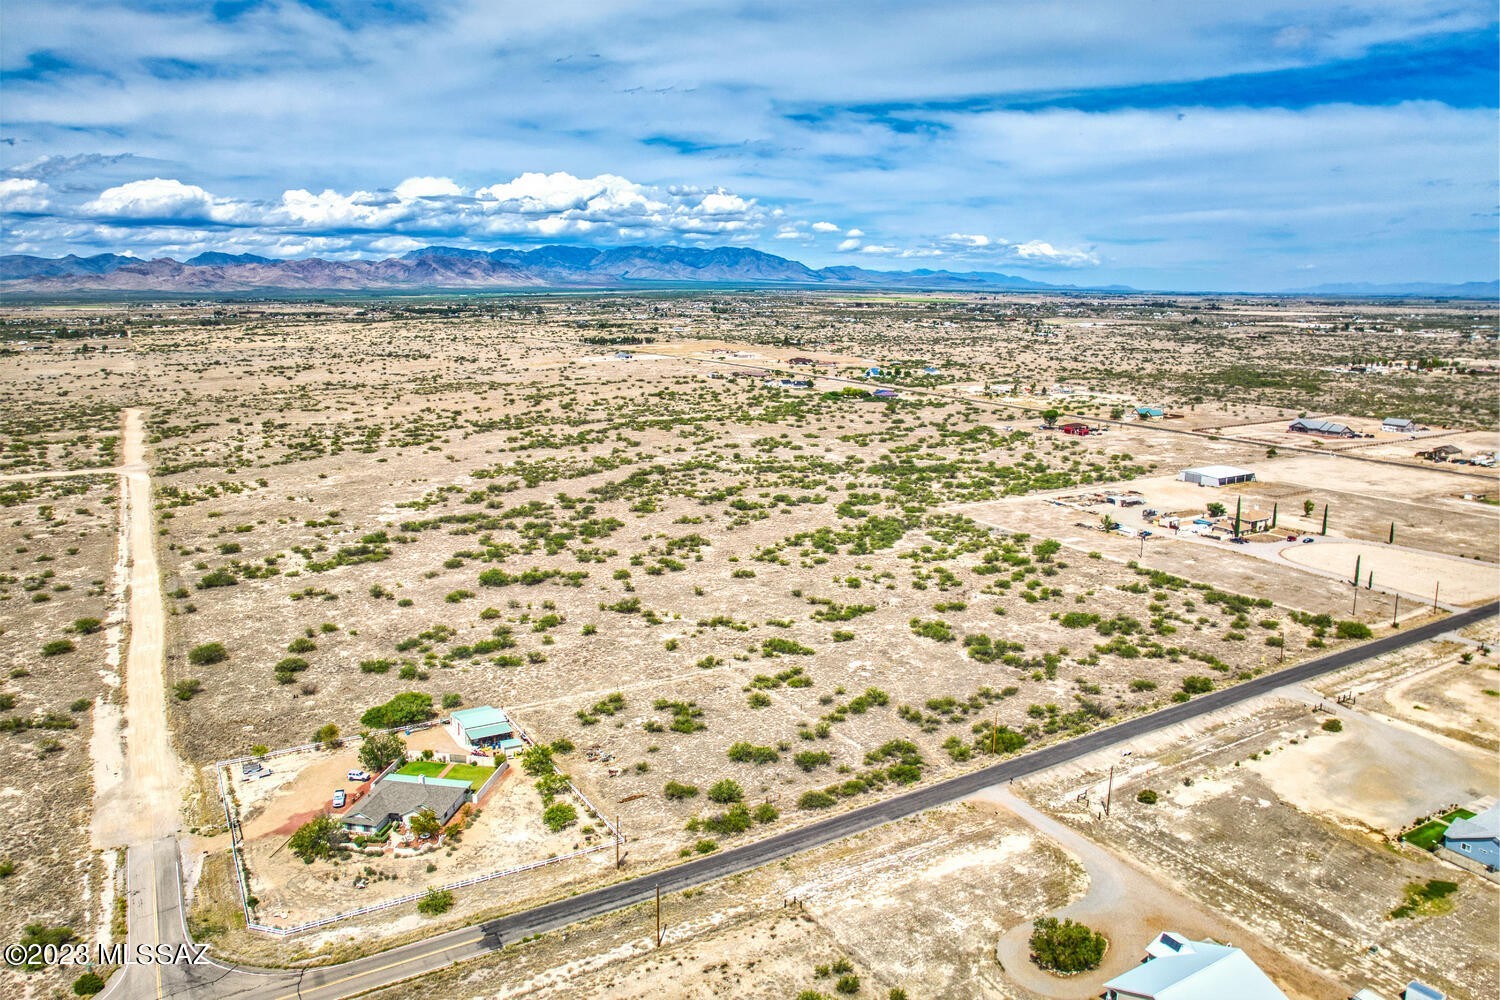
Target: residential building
1216	475
1078	430
1441	453
1149	412
1178	968
1322	428
1418	990
1477	838
1400	425
393	802
485	727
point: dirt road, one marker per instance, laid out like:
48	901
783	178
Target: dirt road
143	803
1129	907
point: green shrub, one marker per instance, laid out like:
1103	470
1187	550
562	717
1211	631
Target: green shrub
57	647
726	791
207	654
88	984
559	816
184	690
1147	796
1352	630
436	902
677	791
1332	726
815	800
402	710
1066	946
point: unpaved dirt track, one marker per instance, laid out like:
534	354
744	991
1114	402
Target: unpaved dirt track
1129	906
146	803
142	808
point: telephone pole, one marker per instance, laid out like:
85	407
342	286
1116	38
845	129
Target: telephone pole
658	916
1109	791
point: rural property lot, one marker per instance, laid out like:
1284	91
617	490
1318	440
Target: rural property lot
1270	820
729	607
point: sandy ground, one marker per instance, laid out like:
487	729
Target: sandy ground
1363	774
146	802
1464	581
1130	907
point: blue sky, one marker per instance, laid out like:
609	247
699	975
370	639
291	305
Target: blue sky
1167	145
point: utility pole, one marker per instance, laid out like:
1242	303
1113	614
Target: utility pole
1109	792
994	736
658	916
1283	644
1435	593
1354	609
619	835
1396	611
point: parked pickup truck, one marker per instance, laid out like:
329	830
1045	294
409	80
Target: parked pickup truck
359	776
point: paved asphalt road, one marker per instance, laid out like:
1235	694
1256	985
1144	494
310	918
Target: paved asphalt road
158	872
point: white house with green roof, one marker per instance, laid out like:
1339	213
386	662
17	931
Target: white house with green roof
485	727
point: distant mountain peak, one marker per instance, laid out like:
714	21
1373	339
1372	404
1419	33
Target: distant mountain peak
458	268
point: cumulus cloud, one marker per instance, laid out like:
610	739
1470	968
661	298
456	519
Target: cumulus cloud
24	195
605	208
427	187
163	198
1045	253
824	227
848	245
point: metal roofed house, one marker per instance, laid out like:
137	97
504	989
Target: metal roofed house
398	801
1477	838
1178	968
1147	412
1323	428
1418	990
1399	425
484	726
1216	475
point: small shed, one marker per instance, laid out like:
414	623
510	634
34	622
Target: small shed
1216	475
1418	990
485	726
1148	412
1399	425
1078	430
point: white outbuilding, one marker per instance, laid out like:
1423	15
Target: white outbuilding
1216	475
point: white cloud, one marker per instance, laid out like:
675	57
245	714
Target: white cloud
849	244
855	233
163	198
427	187
824	227
1045	253
877	249
23	194
966	239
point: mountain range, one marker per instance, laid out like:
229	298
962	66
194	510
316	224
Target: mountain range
439	267
452	268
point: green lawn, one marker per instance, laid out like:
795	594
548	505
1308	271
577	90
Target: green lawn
1430	834
428	768
475	774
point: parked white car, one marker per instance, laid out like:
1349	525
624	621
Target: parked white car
359	776
339	799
